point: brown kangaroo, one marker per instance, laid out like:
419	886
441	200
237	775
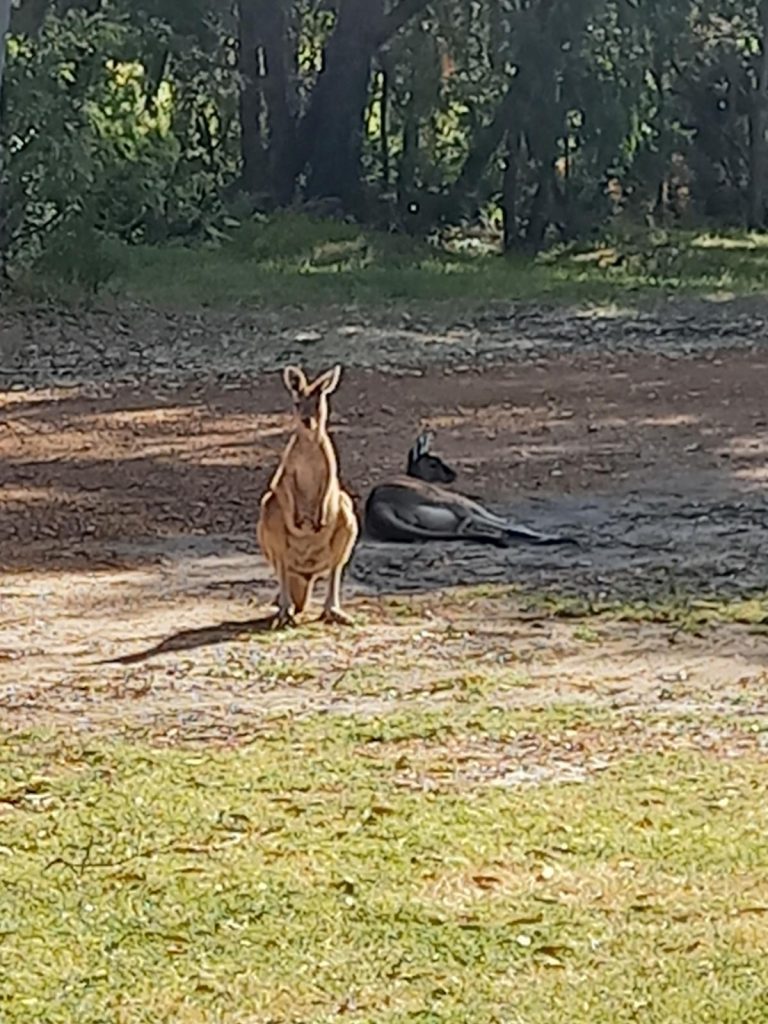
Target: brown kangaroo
307	527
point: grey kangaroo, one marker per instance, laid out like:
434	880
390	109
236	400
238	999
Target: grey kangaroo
415	507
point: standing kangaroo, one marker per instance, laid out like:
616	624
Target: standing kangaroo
307	527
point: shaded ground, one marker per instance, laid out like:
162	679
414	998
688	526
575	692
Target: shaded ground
127	525
133	342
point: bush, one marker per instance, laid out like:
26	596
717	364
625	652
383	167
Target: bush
77	254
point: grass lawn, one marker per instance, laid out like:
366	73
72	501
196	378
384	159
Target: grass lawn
413	866
295	260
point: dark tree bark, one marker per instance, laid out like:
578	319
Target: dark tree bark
332	130
484	145
28	18
326	142
384	130
252	149
5	22
509	193
758	126
267	118
277	89
406	165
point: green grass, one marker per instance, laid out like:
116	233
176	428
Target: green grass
295	260
688	612
314	875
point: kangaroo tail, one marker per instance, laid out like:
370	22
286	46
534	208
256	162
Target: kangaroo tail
519	535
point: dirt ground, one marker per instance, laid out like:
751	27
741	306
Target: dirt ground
133	592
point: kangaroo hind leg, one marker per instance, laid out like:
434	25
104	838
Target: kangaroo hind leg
301	591
285	605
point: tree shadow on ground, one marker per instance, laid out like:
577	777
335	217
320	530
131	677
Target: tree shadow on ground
103	483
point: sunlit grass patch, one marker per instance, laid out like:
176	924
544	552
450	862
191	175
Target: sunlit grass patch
687	612
309	873
297	260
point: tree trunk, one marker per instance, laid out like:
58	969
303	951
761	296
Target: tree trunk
332	130
384	128
758	125
511	237
484	145
5	22
28	18
267	124
252	149
277	88
336	116
406	168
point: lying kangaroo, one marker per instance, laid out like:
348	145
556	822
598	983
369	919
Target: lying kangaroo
415	507
308	526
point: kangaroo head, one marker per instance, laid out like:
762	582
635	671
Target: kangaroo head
429	468
310	399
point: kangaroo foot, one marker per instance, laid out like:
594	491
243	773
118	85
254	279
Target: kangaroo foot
283	617
335	617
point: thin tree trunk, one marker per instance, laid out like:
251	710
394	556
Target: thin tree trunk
250	100
758	125
28	18
5	22
267	124
484	145
406	168
384	127
276	55
509	193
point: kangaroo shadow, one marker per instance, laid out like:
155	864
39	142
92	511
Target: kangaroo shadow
190	639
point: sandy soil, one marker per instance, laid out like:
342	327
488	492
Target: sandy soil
127	518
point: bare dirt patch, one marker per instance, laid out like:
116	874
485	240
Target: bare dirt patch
127	521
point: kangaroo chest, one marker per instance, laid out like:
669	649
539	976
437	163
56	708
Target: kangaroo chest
309	476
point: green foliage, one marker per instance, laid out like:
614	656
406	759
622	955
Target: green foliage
79	256
551	120
90	138
51	153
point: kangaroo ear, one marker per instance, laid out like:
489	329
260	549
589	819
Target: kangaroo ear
295	381
420	447
423	443
328	381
